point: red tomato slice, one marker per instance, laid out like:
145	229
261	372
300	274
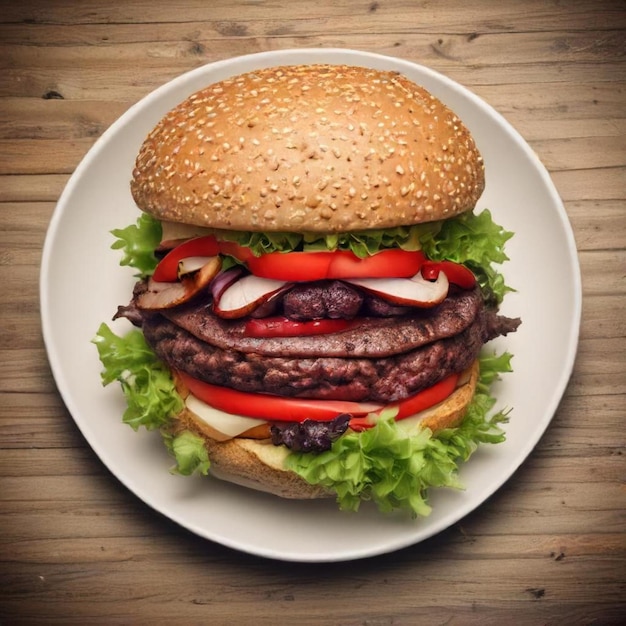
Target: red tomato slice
284	409
428	397
457	274
167	269
272	408
309	266
414	404
232	248
279	326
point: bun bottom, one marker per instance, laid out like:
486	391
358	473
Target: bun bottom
259	465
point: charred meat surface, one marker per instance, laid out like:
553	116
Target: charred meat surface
382	379
310	435
370	337
379	359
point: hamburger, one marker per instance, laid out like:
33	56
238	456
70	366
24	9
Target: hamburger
314	288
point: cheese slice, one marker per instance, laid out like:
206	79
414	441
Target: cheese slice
225	424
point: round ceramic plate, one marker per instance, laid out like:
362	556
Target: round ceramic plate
82	284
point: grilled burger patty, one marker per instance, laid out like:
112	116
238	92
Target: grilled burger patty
371	337
383	379
380	359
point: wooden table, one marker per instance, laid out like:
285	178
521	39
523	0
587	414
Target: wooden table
548	548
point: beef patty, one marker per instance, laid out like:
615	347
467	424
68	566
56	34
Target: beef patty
370	337
384	379
379	359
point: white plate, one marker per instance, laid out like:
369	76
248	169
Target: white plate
82	284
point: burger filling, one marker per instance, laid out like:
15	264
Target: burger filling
318	325
379	359
314	350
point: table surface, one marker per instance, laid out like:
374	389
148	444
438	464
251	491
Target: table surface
548	548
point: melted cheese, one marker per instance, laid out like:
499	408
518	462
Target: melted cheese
225	424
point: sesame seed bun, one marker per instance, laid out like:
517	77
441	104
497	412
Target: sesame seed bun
258	464
317	148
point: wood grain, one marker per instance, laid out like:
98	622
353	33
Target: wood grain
548	548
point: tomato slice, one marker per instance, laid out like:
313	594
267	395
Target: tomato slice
457	274
427	398
309	266
414	404
284	409
272	408
279	326
167	269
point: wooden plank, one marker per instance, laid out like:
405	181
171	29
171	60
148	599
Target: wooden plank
477	15
590	184
28	44
592	264
583	425
599	368
572	433
37	118
31	188
45	156
454	544
575	153
25	371
597	224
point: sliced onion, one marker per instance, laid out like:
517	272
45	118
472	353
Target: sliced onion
415	291
223	280
191	264
162	295
245	295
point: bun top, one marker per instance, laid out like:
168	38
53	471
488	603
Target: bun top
309	148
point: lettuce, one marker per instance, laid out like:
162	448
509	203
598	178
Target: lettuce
150	394
146	382
138	242
476	241
189	451
394	469
362	243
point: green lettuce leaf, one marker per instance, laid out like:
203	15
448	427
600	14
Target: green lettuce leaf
476	241
138	242
394	469
362	243
146	382
189	451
